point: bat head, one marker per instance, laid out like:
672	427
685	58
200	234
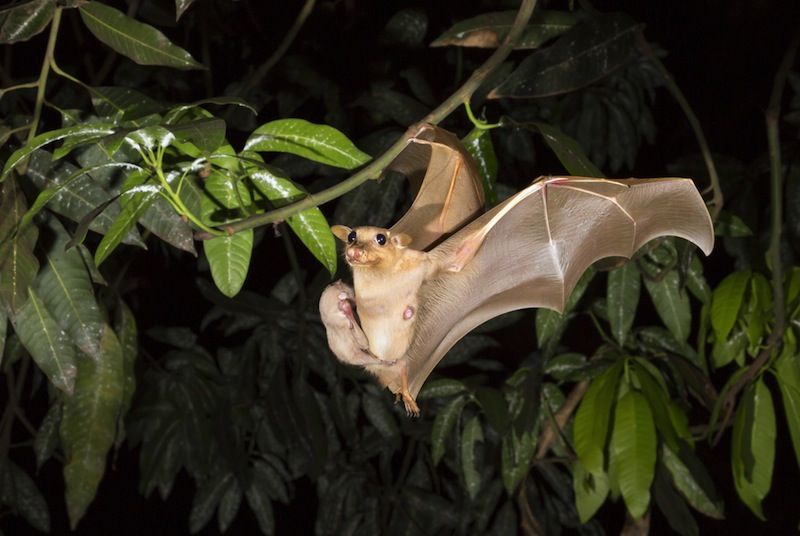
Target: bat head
371	246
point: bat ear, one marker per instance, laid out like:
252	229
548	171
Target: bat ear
401	240
341	232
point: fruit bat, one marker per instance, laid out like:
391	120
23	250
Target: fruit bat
416	301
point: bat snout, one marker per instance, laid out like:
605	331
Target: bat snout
355	255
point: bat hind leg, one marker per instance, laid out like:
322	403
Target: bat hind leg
412	409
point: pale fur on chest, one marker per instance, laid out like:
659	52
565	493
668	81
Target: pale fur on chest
382	296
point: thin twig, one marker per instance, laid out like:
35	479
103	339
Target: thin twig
677	94
561	417
373	170
772	116
259	74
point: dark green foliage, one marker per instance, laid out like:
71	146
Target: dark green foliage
153	143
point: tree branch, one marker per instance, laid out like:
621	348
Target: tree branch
373	170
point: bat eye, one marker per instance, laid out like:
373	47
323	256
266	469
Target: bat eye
380	239
351	238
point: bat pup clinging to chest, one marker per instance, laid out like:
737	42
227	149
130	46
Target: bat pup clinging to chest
387	276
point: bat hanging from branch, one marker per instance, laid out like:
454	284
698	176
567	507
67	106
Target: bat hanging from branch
414	301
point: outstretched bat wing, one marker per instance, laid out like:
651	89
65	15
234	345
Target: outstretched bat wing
449	190
531	250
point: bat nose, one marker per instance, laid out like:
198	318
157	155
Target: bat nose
354	254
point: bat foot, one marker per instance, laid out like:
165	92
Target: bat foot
412	409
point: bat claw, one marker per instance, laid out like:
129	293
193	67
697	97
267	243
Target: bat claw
412	409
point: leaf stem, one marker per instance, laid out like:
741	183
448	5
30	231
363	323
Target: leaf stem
717	200
43	74
372	170
28	85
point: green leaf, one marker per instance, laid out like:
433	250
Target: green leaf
590	490
729	224
443	424
140	42
310	225
672	505
696	282
208	135
586	53
22	20
494	407
753	446
49	137
83	200
787	367
89	423
726	302
672	304
562	366
25	497
46	440
3	331
693	481
180	8
123	104
488	30
18	265
623	297
207	498
127	333
50	192
379	416
658	399
50	347
590	427
66	289
175	113
320	143
568	151
478	144
732	348
229	259
473	433
441	388
516	455
633	445
261	506
268	479
229	505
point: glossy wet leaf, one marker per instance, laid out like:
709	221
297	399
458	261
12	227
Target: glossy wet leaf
480	147
320	143
310	225
138	41
123	103
82	200
488	30
22	20
50	347
633	446
623	296
229	258
586	53
89	423
49	137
